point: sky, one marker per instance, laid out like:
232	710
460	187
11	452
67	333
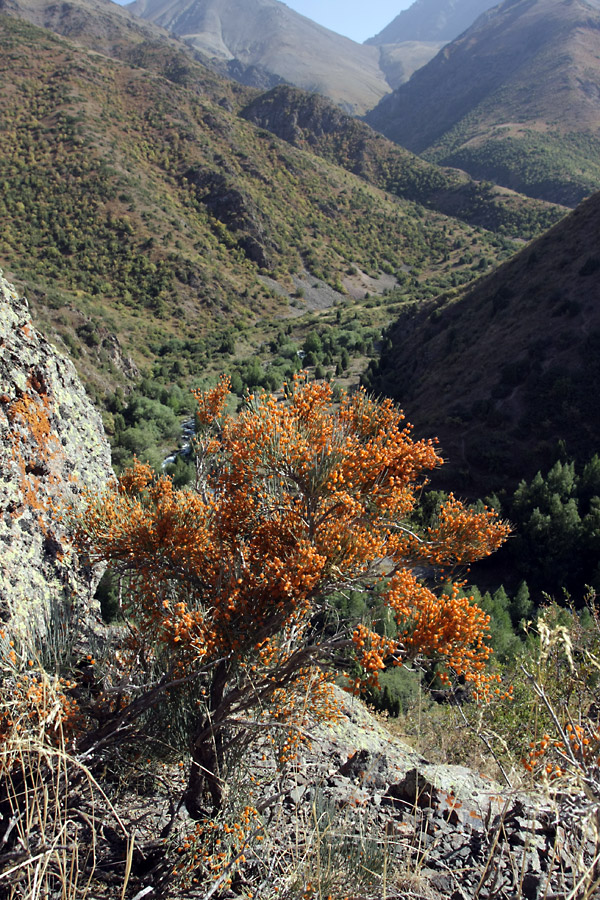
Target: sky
355	19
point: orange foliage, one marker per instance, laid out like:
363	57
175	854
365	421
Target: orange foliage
295	499
212	403
33	447
214	851
305	498
33	703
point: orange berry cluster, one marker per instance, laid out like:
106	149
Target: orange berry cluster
216	848
212	403
36	704
584	747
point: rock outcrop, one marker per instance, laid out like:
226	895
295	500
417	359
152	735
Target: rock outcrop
465	835
223	199
52	446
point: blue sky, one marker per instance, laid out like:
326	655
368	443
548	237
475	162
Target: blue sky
355	19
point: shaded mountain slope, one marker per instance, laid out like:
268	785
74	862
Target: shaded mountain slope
510	366
432	20
311	122
513	99
272	38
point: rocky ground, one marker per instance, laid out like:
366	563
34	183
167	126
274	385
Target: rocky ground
358	797
464	835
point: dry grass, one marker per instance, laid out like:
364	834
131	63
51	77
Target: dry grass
57	812
53	808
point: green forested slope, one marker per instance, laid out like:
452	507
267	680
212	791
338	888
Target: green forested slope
309	121
134	200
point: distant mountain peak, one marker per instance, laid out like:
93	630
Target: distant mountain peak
432	20
271	37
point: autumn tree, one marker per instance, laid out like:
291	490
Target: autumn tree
232	584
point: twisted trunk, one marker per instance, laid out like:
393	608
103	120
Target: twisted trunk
204	793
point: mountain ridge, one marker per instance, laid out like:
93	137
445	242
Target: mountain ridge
507	96
310	121
431	20
137	203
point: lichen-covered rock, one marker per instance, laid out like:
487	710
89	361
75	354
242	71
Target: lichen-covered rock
52	446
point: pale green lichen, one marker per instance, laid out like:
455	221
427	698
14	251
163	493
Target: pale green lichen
39	570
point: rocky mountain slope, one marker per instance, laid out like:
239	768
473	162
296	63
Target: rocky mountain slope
431	20
504	370
52	446
399	61
265	40
419	32
97	24
513	100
